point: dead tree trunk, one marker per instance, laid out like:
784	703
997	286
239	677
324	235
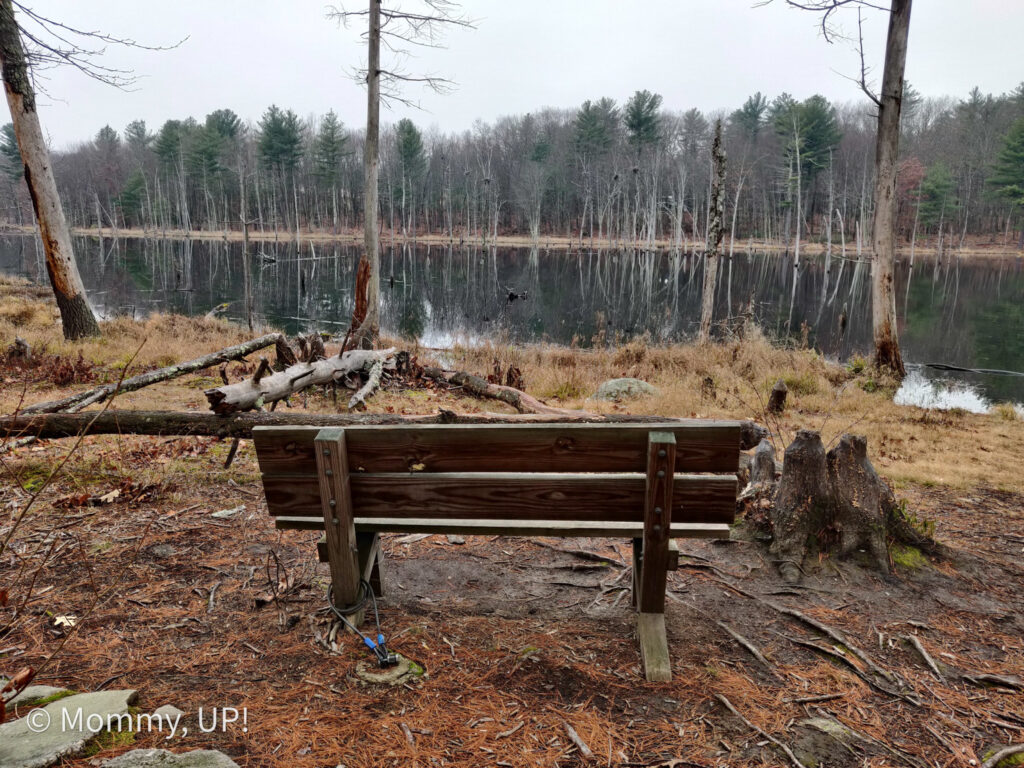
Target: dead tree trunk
368	288
715	227
117	422
883	231
75	313
835	502
479	387
263	388
99	394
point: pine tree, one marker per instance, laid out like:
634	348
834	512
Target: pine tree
1008	173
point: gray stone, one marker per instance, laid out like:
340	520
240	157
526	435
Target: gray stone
62	727
226	513
168	711
34	693
454	538
162	550
161	758
624	389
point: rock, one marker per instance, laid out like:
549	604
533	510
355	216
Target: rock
168	711
226	513
161	758
624	389
60	728
162	551
32	694
454	538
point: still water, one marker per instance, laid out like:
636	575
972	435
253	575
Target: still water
960	312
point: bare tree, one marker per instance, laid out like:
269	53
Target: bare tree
716	224
50	43
395	29
889	103
75	313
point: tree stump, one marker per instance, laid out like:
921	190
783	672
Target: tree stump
762	470
802	502
835	501
777	399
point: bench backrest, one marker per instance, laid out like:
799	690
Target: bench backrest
564	472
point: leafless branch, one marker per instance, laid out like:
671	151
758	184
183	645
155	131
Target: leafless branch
400	29
52	43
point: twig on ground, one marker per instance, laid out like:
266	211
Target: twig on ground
789	753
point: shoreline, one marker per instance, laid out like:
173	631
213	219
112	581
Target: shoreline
553	242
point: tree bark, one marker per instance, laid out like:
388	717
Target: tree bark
883	231
76	315
111	422
99	394
715	228
368	292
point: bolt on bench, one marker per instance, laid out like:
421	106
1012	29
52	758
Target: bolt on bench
649	482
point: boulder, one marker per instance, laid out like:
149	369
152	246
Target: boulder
624	389
161	758
43	736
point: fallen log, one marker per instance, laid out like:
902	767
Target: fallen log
183	423
264	389
83	399
480	387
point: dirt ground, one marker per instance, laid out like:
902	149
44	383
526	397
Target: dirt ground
518	639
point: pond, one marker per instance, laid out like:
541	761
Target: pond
965	313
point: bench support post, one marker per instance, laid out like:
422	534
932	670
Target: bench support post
654	557
339	522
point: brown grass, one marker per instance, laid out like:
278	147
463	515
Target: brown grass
730	380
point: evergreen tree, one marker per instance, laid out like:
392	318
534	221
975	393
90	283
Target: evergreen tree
10	157
643	119
749	118
1008	172
130	200
595	127
938	200
329	149
280	139
410	152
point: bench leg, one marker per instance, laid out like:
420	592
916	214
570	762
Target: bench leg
370	557
654	557
339	522
638	564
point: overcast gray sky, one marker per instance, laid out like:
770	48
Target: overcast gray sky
524	55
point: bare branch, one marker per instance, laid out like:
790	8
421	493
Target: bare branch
400	29
53	43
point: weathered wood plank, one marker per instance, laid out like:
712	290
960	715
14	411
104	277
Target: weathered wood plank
701	446
370	557
336	505
657	518
508	527
650	630
611	497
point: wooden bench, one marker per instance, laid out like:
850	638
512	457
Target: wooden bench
649	482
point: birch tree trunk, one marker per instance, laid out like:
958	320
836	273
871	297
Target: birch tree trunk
715	225
369	329
76	315
883	231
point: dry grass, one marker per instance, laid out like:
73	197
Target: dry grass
730	380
